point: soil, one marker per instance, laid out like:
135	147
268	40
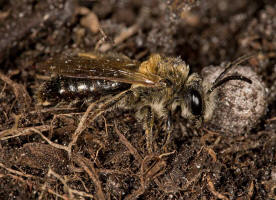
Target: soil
53	153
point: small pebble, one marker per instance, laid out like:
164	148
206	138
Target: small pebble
239	105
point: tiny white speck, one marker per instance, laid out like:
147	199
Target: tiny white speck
72	88
82	87
52	67
46	17
61	91
91	88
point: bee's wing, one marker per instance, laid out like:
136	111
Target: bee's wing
111	68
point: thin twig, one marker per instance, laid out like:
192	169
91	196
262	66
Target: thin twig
12	133
19	90
71	191
131	148
120	38
17	172
212	189
87	165
58	146
81	127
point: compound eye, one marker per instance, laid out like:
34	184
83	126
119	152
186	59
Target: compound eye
196	103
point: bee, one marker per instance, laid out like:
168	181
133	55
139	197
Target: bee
153	88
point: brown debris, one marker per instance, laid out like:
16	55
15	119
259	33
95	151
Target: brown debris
131	149
42	156
72	192
125	34
87	165
19	28
211	187
90	21
19	90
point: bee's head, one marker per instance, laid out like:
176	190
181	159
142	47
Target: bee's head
197	99
191	100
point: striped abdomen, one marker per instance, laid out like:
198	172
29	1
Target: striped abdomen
66	88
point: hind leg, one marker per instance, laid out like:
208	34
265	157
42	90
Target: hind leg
168	128
147	116
107	104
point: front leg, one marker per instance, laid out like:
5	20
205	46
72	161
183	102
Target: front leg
147	116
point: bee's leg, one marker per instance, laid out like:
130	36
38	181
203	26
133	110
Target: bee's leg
148	120
169	127
90	55
106	104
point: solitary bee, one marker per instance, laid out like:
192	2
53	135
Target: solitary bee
154	88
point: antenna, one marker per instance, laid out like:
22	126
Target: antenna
220	80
